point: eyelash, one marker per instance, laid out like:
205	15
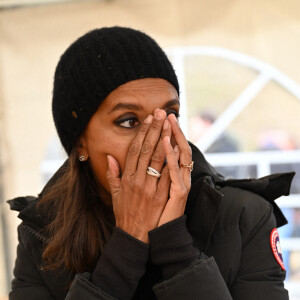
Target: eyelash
119	122
126	120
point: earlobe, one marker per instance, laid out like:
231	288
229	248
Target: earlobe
81	149
82	158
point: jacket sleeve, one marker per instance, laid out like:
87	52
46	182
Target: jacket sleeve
116	264
188	274
118	271
259	272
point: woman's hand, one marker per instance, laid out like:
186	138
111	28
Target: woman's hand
180	176
138	198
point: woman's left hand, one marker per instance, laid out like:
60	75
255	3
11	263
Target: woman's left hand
180	176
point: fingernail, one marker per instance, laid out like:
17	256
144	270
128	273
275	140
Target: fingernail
148	119
176	148
113	165
109	159
174	118
166	125
159	114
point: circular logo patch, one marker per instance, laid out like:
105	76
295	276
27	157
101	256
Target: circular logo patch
275	245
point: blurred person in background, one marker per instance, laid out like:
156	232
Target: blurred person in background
199	126
136	212
280	140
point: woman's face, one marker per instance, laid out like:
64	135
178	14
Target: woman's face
118	118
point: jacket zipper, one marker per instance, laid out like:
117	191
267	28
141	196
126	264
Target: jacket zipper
34	233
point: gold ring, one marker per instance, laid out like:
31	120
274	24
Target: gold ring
190	166
153	172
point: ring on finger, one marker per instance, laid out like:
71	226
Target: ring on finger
189	166
153	172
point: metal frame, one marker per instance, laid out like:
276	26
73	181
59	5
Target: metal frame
265	71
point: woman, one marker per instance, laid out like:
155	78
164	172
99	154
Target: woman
135	212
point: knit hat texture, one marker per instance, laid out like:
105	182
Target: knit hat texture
95	65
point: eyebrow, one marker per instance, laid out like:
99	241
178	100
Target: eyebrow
133	106
124	105
171	103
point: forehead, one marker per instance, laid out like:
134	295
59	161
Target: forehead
144	92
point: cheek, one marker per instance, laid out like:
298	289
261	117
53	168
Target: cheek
98	159
119	152
119	149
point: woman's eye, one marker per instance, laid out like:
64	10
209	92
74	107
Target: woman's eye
129	123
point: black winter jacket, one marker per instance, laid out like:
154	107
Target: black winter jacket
228	222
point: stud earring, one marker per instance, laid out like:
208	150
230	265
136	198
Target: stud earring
82	158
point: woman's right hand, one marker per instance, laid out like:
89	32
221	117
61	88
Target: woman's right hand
138	198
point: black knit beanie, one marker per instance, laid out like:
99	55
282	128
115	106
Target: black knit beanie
95	65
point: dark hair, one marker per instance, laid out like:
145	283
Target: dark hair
81	221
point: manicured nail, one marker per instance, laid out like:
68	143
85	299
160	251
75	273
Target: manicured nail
166	125
158	114
174	118
109	160
113	165
148	119
176	148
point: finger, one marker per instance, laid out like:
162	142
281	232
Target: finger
150	142
113	175
184	148
167	130
158	159
135	147
176	150
172	159
163	186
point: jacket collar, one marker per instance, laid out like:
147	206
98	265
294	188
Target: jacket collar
204	200
202	210
269	187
